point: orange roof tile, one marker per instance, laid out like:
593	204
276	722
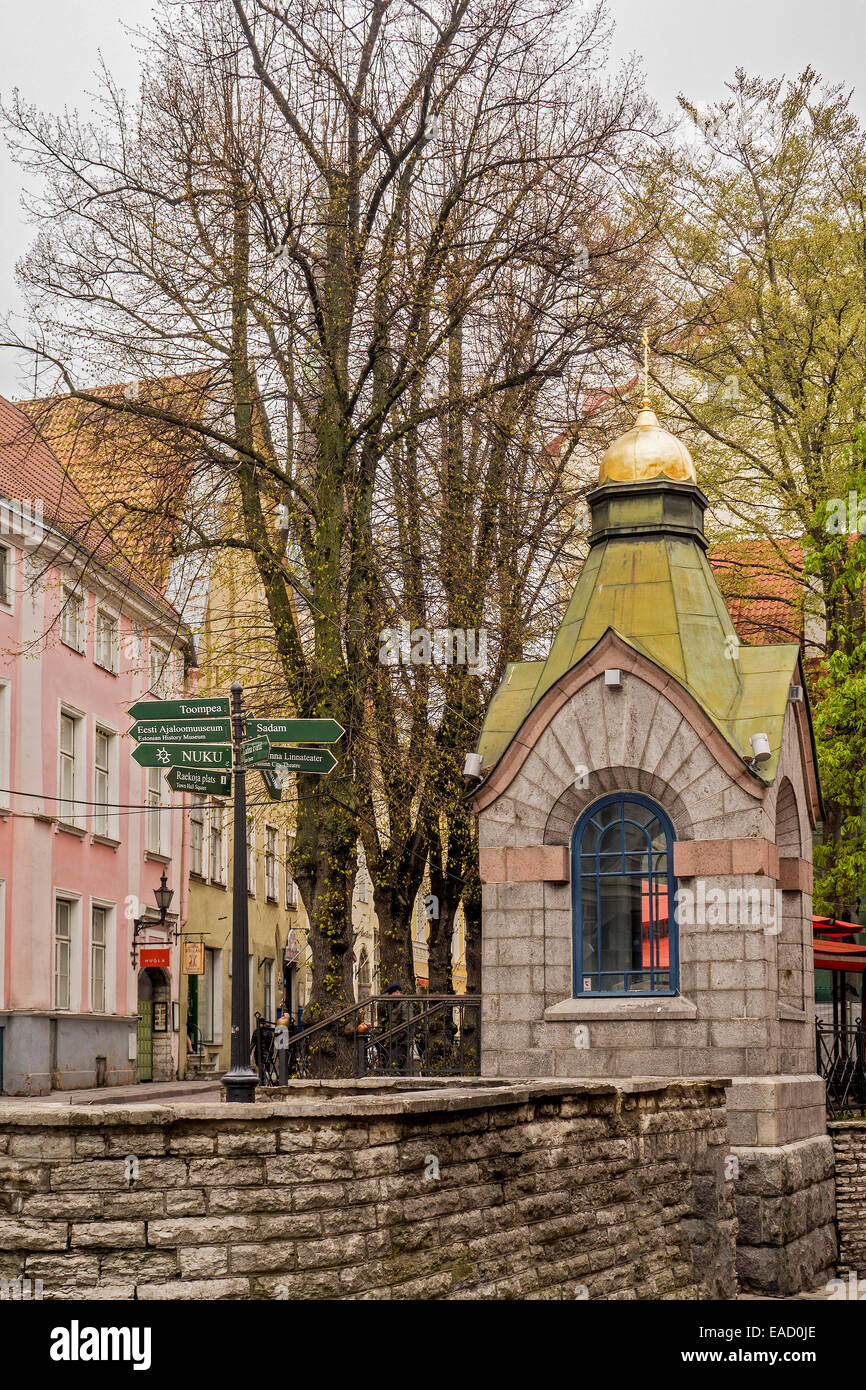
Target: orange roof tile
31	470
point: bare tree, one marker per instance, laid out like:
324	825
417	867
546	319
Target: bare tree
373	241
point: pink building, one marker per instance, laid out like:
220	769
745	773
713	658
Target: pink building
85	833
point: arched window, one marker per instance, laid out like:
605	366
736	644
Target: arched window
623	896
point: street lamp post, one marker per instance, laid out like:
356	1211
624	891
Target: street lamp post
241	1081
163	895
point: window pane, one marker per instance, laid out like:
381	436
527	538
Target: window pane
62	935
622	901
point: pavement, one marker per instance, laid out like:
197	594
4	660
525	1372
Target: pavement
206	1092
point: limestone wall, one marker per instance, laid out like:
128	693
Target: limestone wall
547	1189
849	1144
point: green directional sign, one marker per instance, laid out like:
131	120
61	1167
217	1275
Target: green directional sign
256	751
316	760
206	755
188	779
273	783
214	707
296	730
182	731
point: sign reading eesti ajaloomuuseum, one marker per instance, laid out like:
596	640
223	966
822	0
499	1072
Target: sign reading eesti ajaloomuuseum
181	731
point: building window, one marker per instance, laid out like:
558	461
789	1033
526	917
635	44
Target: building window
72	617
291	886
101	781
271	863
62	952
196	837
106	640
362	879
98	944
67	809
268	1006
159	670
153	840
210	997
4	574
251	859
365	975
217	857
623	896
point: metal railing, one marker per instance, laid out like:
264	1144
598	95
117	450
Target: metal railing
385	1035
839	1054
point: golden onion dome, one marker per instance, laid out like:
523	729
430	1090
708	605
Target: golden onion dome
646	451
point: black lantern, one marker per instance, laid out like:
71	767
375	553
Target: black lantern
163	895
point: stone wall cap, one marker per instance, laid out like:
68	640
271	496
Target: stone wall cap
499	1092
621	1008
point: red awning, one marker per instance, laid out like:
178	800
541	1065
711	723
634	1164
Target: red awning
844	956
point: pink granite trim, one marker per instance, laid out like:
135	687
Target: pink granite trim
532	864
707	858
795	876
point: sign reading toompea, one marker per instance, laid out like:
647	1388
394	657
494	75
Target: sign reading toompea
182	731
215	707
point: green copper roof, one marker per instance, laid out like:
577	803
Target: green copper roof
647	579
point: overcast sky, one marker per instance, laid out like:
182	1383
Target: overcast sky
51	47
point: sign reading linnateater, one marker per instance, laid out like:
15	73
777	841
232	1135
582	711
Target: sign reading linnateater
212	707
317	760
210	755
296	730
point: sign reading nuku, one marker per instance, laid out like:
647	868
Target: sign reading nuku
206	755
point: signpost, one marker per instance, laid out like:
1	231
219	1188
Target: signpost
316	760
181	731
199	781
206	745
205	755
240	1081
296	730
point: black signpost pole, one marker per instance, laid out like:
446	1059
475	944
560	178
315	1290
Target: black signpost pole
240	1083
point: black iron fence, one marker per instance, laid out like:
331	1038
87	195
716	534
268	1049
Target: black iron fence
386	1035
840	1060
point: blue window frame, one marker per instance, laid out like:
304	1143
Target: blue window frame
624	899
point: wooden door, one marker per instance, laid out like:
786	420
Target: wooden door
145	1039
